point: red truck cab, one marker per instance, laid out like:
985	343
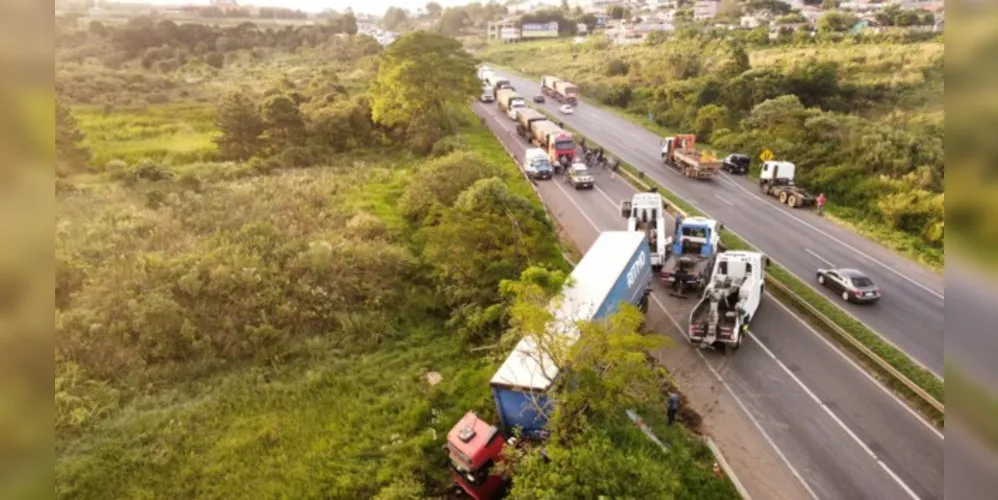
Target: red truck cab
562	146
474	447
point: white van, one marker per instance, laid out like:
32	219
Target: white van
537	164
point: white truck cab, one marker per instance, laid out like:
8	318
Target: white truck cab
730	301
647	212
777	172
515	106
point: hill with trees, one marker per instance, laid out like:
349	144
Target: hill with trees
285	267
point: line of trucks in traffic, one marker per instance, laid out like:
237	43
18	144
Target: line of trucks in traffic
776	178
618	269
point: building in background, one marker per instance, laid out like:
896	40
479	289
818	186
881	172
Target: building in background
539	30
705	10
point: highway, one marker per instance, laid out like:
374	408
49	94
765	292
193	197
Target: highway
910	315
840	431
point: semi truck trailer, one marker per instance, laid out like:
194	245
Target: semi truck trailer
616	270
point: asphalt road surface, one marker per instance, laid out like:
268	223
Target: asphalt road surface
910	314
841	431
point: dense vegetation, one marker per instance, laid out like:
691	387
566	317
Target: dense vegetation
272	263
861	115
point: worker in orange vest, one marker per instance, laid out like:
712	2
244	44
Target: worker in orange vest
821	204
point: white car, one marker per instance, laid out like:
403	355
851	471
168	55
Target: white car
567	109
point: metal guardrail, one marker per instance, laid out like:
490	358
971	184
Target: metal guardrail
820	316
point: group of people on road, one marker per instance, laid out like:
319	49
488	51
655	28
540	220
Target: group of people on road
596	158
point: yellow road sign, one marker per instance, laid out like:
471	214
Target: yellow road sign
766	155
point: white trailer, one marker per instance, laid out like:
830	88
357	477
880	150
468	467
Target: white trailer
730	301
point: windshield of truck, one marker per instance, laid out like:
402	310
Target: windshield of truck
564	144
694	232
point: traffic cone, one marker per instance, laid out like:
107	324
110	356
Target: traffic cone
717	470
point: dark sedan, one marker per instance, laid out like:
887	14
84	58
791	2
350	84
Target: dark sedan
539	98
850	284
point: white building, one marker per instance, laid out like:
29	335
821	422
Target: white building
705	10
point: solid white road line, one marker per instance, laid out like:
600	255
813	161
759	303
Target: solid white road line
853	363
859	252
741	404
723	199
816	256
780	363
799	382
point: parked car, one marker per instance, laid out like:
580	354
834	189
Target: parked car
567	109
579	176
539	98
850	284
736	163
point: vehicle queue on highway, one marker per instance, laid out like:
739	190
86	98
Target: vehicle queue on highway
734	164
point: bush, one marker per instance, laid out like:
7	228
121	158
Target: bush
215	60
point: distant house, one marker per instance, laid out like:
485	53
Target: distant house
705	10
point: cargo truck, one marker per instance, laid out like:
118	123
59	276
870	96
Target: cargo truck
729	302
776	178
556	141
694	247
566	92
497	82
547	85
680	152
509	101
614	271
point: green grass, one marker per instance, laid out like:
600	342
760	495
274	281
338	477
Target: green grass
894	357
173	133
337	426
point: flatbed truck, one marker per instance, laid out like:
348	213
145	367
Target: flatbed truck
680	152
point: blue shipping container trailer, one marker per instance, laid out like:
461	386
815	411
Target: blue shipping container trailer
615	270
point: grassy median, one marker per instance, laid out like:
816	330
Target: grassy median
921	377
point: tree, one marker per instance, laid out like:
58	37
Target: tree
617	12
283	121
215	59
433	9
739	62
836	22
241	127
69	149
422	77
728	10
453	21
393	18
773	7
829	4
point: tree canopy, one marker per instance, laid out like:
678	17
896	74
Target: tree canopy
423	76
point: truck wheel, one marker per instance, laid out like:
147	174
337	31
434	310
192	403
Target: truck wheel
783	197
792	201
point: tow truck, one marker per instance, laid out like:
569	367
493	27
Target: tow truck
680	152
729	302
646	213
694	248
776	178
614	271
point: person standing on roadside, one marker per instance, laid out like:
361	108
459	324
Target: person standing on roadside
821	204
673	406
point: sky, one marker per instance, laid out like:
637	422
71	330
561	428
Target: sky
365	6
